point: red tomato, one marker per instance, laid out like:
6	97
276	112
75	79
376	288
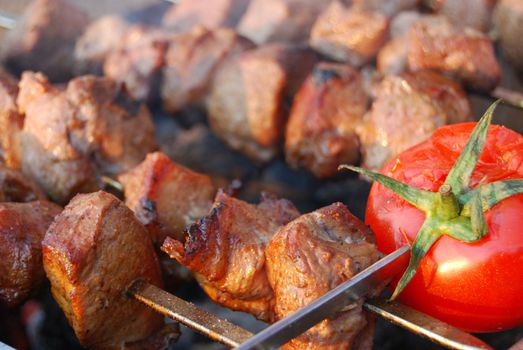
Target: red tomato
477	286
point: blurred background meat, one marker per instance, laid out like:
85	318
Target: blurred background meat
11	121
15	187
508	20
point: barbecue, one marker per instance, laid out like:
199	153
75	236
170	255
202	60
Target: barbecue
172	106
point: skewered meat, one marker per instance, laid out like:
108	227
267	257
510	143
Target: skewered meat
165	196
43	39
92	252
508	19
407	109
137	61
22	228
348	34
11	122
226	251
211	14
280	20
311	255
320	133
15	187
246	102
388	8
70	136
191	60
467	13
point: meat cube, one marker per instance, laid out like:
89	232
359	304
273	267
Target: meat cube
22	229
389	8
280	20
246	103
70	136
312	255
408	108
226	251
15	187
466	54
508	20
320	133
92	252
348	34
11	121
99	38
165	196
191	60
137	61
43	39
211	14
467	13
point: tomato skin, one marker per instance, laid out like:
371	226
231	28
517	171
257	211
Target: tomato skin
477	286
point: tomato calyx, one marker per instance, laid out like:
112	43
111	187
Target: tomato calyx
456	210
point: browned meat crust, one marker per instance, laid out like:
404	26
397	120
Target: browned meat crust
508	19
311	255
22	228
15	187
44	38
11	122
320	133
92	252
348	34
226	251
165	196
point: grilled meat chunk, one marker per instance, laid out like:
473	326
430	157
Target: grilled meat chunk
11	121
226	251
15	187
191	60
211	14
246	102
92	252
467	13
348	34
508	19
407	109
311	255
22	229
320	133
43	39
165	196
72	135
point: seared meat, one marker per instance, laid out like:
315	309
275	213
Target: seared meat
226	251
22	228
92	252
15	187
320	133
246	102
11	122
70	136
388	8
137	61
43	39
466	54
98	39
508	20
467	13
348	34
311	255
165	196
280	20
407	109
211	14
191	60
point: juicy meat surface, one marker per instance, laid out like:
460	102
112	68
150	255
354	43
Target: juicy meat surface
280	20
22	229
407	109
226	251
310	256
349	35
15	187
166	196
508	20
43	39
320	133
92	252
71	136
187	14
246	102
192	59
11	121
